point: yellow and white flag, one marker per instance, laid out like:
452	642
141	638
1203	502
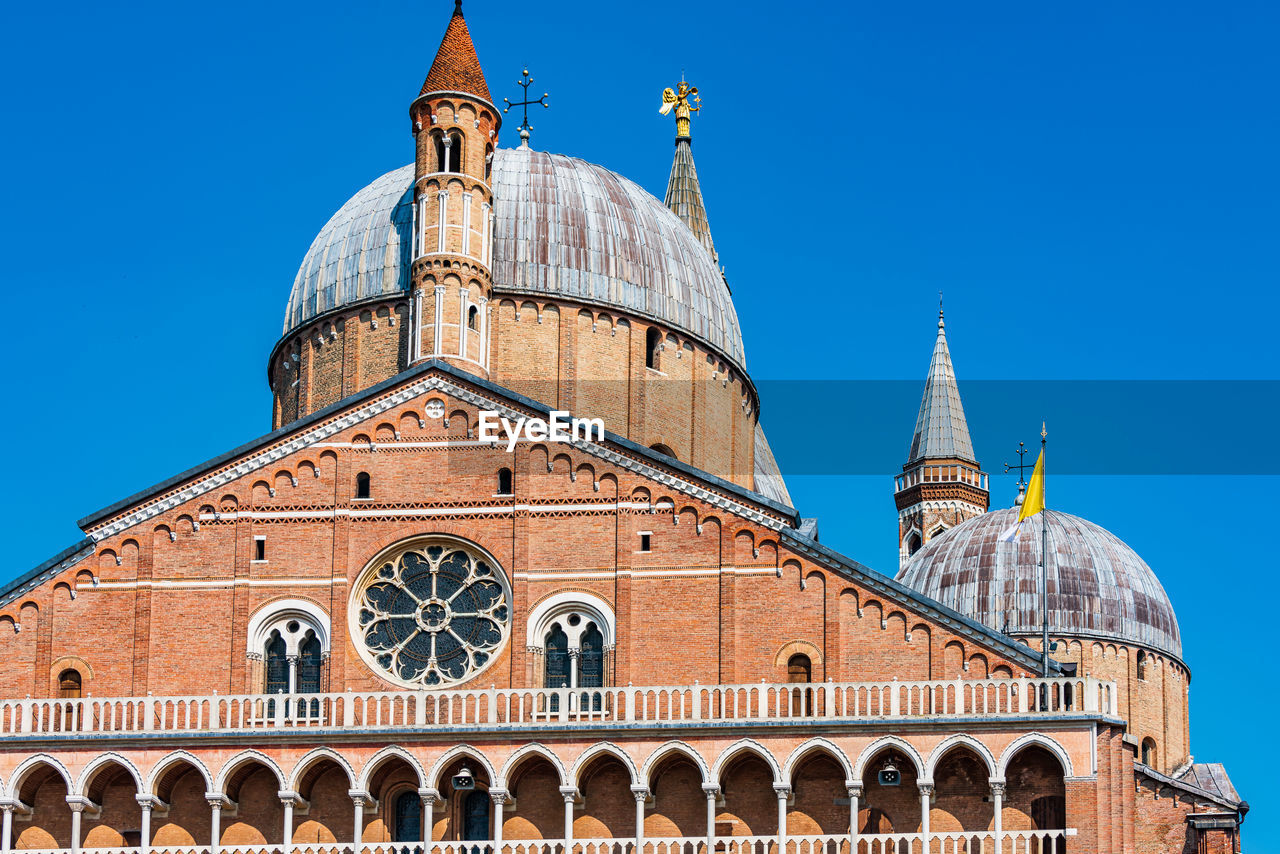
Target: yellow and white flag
1032	502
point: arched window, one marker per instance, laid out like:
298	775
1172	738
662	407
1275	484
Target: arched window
473	315
69	684
653	348
913	543
475	822
310	657
441	163
800	672
799	668
663	449
488	162
591	666
1142	664
556	672
504	481
453	151
277	665
1149	752
408	818
362	485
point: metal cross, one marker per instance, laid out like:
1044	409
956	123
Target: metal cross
525	81
1021	465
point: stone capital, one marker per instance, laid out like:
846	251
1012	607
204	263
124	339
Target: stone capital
151	803
499	796
926	789
854	790
998	788
79	803
569	793
711	790
430	796
640	793
782	790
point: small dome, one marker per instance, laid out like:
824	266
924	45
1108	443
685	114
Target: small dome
1098	586
563	228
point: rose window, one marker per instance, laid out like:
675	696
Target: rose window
431	614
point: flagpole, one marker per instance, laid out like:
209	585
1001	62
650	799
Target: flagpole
1044	562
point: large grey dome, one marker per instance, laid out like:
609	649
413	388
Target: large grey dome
1098	586
563	227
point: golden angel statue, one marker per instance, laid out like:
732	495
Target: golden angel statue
678	99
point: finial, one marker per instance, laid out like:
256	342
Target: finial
941	324
457	7
678	99
525	81
1021	465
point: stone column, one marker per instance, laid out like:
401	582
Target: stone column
997	804
712	791
926	793
358	799
783	791
641	794
570	794
216	803
855	793
288	800
6	831
78	804
147	803
499	797
429	799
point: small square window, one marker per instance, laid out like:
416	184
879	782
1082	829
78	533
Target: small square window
645	542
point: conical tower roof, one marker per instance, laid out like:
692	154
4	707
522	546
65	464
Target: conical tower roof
941	429
456	67
684	196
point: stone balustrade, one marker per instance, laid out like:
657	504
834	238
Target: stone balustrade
507	707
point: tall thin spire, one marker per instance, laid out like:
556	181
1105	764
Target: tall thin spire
684	195
941	429
456	67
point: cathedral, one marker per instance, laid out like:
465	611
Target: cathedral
516	572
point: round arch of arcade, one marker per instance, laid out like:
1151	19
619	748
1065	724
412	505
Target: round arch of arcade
679	788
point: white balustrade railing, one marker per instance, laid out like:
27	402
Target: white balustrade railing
956	842
692	704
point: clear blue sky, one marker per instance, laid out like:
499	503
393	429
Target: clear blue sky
1095	187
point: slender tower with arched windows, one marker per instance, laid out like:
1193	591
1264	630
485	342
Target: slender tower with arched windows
941	484
455	128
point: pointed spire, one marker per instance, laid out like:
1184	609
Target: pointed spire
941	429
456	67
684	196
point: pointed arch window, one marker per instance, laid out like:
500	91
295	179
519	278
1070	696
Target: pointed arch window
557	670
277	665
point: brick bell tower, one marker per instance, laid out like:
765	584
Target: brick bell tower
941	484
455	130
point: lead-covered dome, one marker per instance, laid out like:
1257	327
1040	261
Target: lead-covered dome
1098	586
563	228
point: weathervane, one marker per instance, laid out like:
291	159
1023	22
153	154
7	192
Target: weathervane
678	99
525	81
